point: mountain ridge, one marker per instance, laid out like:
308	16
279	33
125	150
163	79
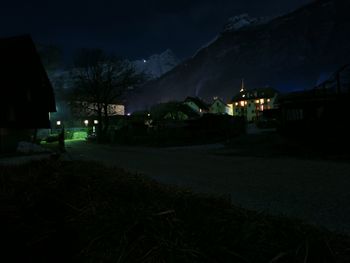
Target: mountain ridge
290	52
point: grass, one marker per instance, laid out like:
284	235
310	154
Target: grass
55	211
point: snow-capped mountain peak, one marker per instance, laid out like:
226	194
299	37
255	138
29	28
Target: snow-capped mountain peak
242	21
158	64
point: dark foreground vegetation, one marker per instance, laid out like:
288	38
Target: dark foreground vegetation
56	211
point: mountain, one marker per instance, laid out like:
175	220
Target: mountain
289	52
157	65
242	21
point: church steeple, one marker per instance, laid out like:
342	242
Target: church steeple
242	86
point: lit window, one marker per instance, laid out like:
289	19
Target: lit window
242	103
257	101
262	101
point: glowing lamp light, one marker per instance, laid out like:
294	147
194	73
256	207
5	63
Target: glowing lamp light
95	121
144	61
86	122
262	101
268	100
242	103
128	114
149	115
58	123
236	103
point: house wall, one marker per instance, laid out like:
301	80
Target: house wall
193	106
113	109
219	108
251	108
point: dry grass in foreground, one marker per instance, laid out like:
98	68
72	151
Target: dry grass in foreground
53	211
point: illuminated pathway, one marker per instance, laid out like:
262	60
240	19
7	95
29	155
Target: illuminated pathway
316	191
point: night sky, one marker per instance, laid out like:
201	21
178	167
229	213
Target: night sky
133	29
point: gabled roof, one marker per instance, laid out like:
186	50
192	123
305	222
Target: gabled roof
26	94
218	100
201	104
261	93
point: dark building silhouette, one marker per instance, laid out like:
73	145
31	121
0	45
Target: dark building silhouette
27	96
321	113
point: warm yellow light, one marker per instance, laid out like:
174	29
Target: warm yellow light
242	103
95	121
246	102
236	103
268	100
257	101
262	101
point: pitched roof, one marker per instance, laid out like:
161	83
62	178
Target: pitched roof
218	100
200	103
261	93
26	94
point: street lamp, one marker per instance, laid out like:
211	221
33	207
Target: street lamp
95	121
58	123
86	122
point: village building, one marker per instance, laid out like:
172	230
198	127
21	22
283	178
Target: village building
197	105
219	107
252	103
319	112
27	94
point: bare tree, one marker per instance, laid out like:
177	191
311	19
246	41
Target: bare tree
101	80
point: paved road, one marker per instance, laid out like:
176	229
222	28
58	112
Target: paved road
316	191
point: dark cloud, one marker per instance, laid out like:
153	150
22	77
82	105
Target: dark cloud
130	28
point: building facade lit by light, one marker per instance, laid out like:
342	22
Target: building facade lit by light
252	103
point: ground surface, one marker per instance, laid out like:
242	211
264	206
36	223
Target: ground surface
314	190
